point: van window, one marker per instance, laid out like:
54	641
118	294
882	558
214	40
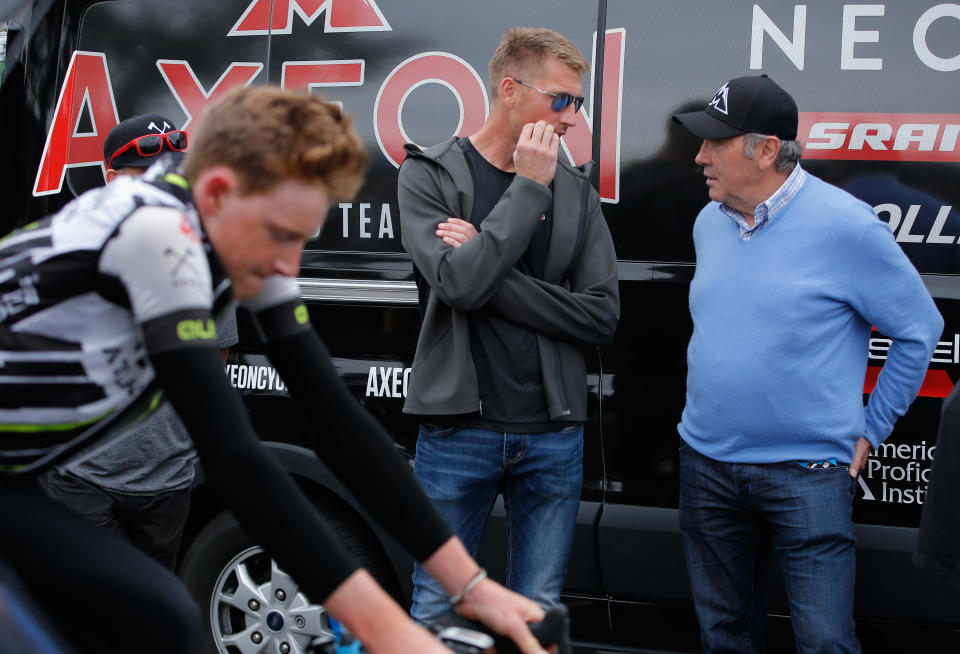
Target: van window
877	103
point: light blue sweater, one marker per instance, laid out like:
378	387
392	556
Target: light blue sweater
781	326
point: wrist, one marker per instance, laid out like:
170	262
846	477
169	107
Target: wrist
368	612
452	566
540	180
458	597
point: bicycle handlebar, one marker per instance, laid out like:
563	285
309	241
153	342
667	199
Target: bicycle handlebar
469	637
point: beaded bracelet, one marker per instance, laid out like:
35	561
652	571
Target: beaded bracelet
477	578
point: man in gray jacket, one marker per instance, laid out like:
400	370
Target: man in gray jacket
516	271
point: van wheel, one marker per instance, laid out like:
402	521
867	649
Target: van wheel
249	604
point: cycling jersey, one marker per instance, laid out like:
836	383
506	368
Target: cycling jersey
110	300
85	296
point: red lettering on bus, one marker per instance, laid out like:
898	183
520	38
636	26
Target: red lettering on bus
305	75
340	16
427	68
880	136
578	141
86	85
188	91
457	75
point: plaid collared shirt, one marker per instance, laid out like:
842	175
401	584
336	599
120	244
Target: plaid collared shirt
767	210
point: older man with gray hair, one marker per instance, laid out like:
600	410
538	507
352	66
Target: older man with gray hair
792	272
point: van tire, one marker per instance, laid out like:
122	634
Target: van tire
222	548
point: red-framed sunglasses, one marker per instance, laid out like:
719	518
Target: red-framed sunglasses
152	144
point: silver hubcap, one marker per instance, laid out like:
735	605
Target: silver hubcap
256	608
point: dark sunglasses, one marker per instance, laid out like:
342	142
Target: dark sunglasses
152	144
560	100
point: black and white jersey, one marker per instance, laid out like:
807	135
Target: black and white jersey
110	300
120	273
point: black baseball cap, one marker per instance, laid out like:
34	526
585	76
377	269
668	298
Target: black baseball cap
131	128
745	104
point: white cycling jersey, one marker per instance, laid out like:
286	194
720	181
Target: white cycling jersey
86	295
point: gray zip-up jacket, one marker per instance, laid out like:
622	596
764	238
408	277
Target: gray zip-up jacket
576	303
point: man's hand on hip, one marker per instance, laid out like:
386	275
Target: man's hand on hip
536	153
456	231
860	453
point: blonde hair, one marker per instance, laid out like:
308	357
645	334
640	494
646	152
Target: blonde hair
524	50
267	135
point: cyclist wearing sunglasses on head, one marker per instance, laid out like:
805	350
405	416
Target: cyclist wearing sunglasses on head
133	145
516	271
109	306
140	486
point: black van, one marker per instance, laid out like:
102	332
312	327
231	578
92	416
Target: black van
877	87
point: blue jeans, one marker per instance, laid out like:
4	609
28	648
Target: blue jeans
732	514
463	470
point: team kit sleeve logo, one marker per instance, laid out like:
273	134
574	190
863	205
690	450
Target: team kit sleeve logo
197	329
300	314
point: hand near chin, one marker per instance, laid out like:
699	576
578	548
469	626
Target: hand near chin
536	153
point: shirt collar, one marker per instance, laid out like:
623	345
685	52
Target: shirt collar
769	208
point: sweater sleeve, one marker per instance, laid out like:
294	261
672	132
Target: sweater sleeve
887	291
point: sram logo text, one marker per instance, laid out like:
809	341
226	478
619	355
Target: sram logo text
880	137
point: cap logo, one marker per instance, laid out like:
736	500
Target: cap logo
719	101
166	126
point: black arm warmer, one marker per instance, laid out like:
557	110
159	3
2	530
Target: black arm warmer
355	447
266	501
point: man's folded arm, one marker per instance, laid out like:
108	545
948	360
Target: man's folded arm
466	277
587	312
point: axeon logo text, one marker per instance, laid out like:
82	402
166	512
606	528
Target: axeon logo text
88	93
